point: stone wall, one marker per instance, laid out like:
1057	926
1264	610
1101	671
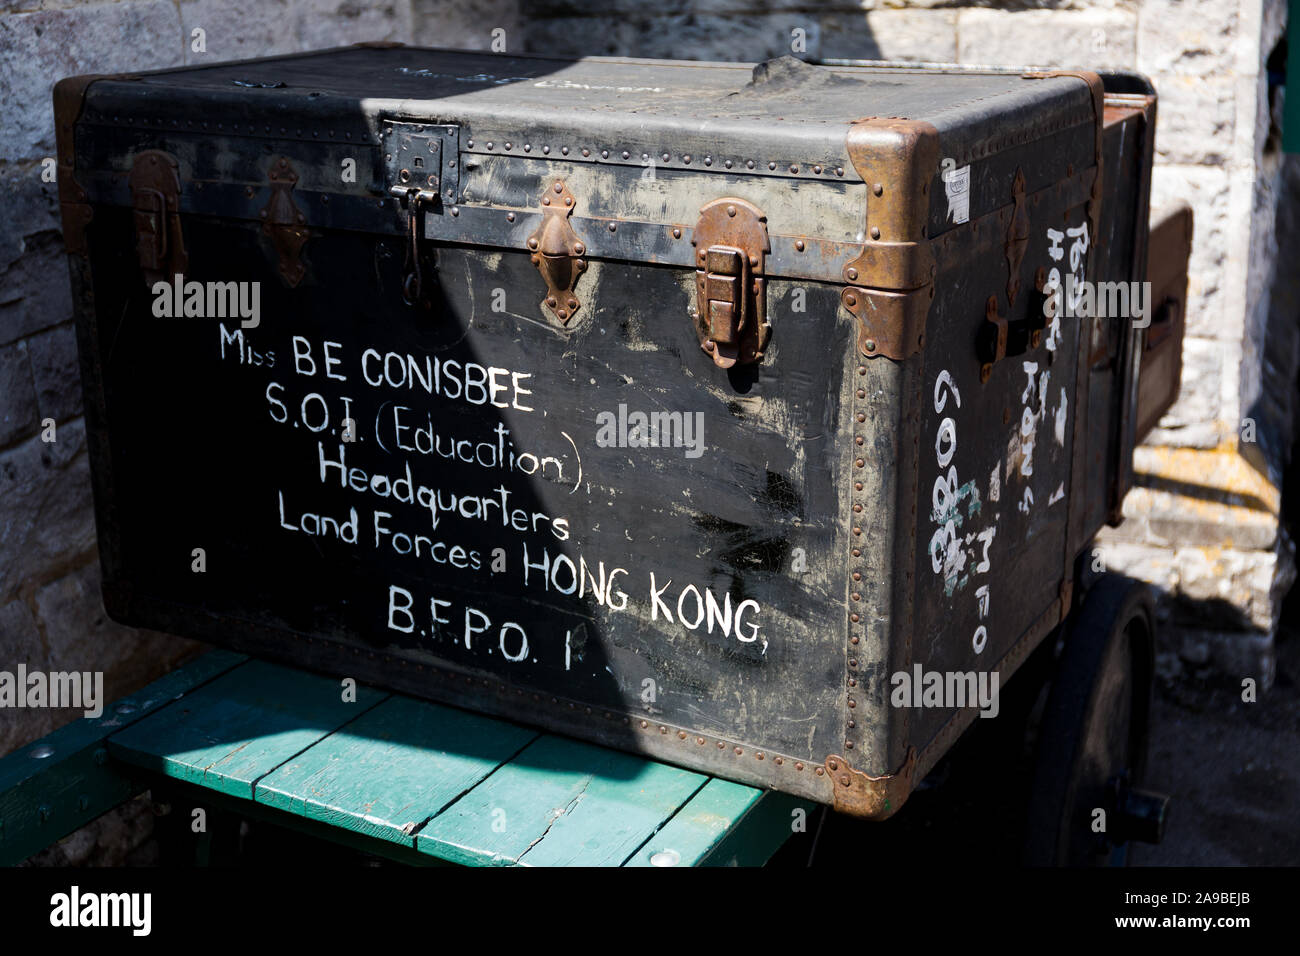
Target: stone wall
51	614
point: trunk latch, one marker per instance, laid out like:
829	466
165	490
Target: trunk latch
726	274
155	197
731	247
422	175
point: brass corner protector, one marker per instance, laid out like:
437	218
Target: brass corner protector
69	100
898	159
862	795
557	252
890	323
890	283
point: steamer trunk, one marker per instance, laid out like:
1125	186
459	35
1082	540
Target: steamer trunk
676	406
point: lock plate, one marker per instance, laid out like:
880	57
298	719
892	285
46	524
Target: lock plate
731	247
422	176
422	156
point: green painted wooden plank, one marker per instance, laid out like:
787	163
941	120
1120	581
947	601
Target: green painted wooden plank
240	727
190	795
725	824
61	782
699	826
388	771
560	803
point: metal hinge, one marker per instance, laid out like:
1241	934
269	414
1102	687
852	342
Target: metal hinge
991	340
69	100
557	252
155	197
1017	236
731	247
284	223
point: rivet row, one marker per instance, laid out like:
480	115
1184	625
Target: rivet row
686	159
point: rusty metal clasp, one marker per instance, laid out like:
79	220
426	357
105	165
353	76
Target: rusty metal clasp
731	244
726	277
999	337
155	198
411	198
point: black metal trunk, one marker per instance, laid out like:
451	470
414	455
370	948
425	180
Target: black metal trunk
824	293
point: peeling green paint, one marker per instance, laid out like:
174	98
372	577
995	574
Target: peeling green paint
953	513
952	583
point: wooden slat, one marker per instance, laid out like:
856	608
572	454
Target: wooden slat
61	782
725	824
560	803
240	727
387	772
381	768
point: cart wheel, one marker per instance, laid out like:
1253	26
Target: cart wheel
1084	805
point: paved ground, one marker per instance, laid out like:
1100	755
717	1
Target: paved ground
1233	769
